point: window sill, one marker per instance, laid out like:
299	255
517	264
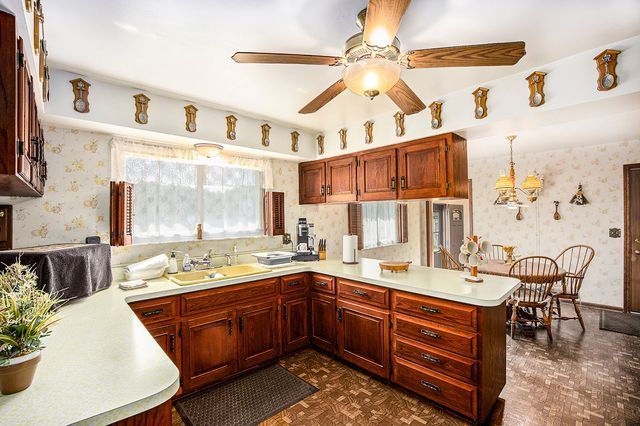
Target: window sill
194	240
382	246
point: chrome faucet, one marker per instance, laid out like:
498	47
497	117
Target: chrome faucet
228	257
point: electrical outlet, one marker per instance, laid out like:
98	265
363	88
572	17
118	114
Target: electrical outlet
286	238
615	233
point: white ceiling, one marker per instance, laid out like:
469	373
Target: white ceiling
184	48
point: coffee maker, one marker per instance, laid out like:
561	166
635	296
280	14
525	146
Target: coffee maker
305	248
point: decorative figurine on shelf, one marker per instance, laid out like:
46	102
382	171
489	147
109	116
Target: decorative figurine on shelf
343	138
320	140
556	215
474	253
265	134
294	141
579	199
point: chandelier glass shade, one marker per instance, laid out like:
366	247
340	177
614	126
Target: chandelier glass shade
371	77
506	185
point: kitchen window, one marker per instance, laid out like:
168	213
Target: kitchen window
172	197
378	224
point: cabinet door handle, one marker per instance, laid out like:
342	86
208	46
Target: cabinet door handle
322	190
340	314
430	309
241	323
293	283
230	326
393	184
172	343
329	189
402	182
430	358
430	333
360	293
284	312
321	283
152	313
430	385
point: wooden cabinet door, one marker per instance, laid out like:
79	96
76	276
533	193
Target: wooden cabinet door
209	348
323	322
377	178
167	337
363	337
422	170
295	322
312	182
258	333
341	180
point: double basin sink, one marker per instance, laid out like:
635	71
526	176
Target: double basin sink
215	274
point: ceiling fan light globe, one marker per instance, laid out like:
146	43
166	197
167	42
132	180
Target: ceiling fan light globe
372	76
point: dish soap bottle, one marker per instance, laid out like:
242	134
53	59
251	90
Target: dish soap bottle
186	263
173	263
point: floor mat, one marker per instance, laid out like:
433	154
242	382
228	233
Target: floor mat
620	322
246	400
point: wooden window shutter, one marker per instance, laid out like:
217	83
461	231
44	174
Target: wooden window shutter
403	223
121	213
273	213
355	222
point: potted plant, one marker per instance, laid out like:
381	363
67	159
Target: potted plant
26	313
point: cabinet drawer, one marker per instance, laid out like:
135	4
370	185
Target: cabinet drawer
434	334
323	283
293	283
201	301
459	396
156	310
360	292
443	311
439	360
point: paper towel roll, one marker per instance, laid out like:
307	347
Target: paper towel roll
349	249
147	269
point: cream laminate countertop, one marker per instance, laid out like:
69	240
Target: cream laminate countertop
101	365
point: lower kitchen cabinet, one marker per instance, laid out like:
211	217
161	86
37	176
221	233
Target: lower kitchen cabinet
295	322
168	338
363	337
323	321
258	333
209	348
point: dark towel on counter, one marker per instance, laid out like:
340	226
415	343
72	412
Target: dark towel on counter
69	270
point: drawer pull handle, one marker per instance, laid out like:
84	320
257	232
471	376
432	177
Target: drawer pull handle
320	283
430	358
360	293
172	343
293	283
152	313
430	386
230	326
430	333
430	309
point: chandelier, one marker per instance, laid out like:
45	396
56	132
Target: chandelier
506	185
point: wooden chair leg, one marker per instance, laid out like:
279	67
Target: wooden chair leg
547	322
514	318
577	308
558	306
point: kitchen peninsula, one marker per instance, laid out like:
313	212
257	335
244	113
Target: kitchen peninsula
436	335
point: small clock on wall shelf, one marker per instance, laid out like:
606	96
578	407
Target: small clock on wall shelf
536	88
368	132
80	95
190	123
231	127
606	63
480	100
142	104
294	141
436	110
399	117
343	138
265	134
320	141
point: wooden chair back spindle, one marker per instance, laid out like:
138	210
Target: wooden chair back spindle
575	260
497	252
537	275
448	262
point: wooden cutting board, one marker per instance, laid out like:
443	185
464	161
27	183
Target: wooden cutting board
387	265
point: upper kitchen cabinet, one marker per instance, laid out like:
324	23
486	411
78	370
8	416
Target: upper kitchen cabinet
311	179
23	168
341	179
434	167
377	178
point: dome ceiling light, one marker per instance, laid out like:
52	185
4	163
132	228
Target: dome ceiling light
373	61
208	150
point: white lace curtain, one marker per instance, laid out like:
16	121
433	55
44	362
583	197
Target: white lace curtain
379	223
175	190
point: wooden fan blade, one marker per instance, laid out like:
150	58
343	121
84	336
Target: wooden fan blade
405	98
477	55
323	98
383	21
284	58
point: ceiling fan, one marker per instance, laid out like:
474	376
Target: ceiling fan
373	60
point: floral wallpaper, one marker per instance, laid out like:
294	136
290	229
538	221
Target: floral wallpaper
599	169
76	205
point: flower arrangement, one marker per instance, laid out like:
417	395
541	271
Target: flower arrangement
26	313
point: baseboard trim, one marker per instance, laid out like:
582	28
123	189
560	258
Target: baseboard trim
599	306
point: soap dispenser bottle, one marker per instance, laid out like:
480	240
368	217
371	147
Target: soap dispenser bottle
173	263
186	263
